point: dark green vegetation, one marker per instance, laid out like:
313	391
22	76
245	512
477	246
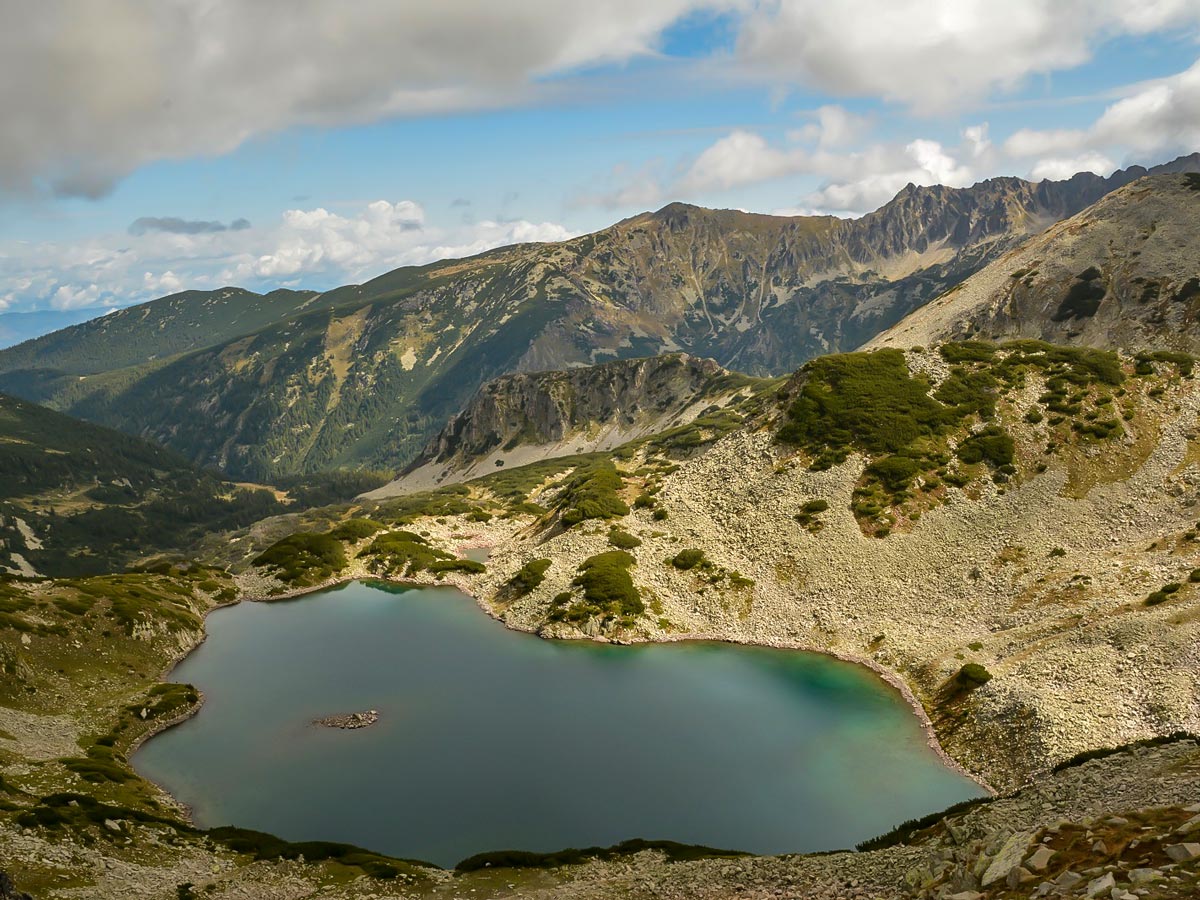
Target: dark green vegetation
294	382
261	846
809	512
688	559
530	576
592	492
326	488
861	401
693	560
303	559
92	499
404	554
1164	593
971	676
912	432
622	540
608	592
906	831
1103	752
512	859
307	558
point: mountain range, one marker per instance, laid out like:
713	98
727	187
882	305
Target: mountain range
264	386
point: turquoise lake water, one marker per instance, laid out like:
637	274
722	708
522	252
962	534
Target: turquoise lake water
489	739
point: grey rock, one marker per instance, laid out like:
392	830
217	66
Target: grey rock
1007	858
1102	885
1039	858
1068	880
1182	852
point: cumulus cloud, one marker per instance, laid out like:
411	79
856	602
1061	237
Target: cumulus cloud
183	226
92	90
305	248
1155	119
936	55
857	180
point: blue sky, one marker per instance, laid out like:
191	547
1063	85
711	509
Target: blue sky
353	138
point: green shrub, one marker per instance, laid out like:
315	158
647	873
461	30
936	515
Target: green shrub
659	515
622	540
353	530
861	401
993	445
470	566
688	559
303	558
608	590
809	512
530	575
972	675
524	859
592	492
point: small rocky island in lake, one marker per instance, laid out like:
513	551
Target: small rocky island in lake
350	720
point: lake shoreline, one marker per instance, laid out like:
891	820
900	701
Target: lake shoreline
891	678
157	767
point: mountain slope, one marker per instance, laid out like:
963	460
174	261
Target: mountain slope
155	330
366	374
18	327
77	498
516	419
1122	273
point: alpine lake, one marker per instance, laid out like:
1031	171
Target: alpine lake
491	739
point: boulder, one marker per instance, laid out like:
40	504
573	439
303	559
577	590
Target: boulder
1039	859
1007	858
1182	852
1102	885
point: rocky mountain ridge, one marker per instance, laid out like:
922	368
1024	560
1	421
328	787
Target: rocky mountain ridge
367	373
1123	273
520	418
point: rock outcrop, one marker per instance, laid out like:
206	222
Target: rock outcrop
516	419
1124	272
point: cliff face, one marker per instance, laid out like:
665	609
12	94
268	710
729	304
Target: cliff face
365	374
525	417
1124	272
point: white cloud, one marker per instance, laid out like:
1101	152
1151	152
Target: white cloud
1157	119
936	55
857	180
1056	168
742	157
306	247
92	90
834	126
